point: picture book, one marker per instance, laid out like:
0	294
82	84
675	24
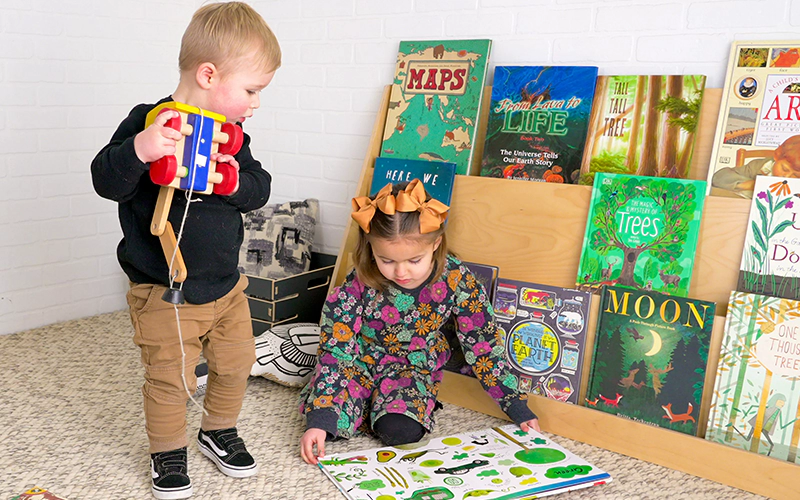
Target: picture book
537	122
36	493
486	274
758	113
643	125
641	233
498	463
545	336
771	255
435	101
650	357
437	176
756	401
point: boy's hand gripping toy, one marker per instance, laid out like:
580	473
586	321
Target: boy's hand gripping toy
191	168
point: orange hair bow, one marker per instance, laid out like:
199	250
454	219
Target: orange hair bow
432	213
364	208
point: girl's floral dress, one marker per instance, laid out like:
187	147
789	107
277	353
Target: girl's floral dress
382	352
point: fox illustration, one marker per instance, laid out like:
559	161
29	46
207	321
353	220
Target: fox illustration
611	402
678	417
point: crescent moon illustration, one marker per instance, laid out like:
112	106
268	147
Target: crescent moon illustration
656	344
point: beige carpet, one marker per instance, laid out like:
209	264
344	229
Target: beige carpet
72	422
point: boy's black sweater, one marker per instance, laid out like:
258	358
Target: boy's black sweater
212	233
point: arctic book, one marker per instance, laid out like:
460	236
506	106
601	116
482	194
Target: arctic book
436	176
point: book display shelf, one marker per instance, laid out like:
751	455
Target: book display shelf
534	231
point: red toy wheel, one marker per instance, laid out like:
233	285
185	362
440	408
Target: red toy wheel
230	179
163	171
235	139
174	122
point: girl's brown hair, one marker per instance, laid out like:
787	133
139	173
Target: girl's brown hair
400	225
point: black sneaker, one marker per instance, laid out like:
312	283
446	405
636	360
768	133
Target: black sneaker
170	477
226	449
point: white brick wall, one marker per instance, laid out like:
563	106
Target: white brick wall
71	70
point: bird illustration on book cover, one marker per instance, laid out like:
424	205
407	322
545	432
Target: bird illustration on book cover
650	357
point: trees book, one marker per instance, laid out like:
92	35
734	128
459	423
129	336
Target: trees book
771	255
435	101
537	122
501	463
758	113
643	125
545	336
437	176
650	357
641	233
756	401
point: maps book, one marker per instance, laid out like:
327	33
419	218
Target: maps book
757	114
435	101
545	336
641	233
756	401
493	464
437	177
650	357
771	255
643	125
537	122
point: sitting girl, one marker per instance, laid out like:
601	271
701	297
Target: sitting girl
381	354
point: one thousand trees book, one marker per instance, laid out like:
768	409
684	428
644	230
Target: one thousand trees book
756	401
501	463
537	122
771	255
641	233
435	101
650	357
643	125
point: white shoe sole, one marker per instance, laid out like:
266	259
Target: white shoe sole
172	494
226	469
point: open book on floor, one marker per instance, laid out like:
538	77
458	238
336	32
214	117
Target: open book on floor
498	463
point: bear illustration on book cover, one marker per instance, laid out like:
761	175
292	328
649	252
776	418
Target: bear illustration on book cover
641	233
650	357
435	101
537	123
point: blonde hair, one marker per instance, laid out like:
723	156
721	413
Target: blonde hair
400	225
223	33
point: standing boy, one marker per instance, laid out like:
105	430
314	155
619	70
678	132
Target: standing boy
228	56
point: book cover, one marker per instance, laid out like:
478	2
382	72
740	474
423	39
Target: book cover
643	125
641	233
537	123
771	255
650	357
486	274
756	401
758	113
545	336
497	463
435	101
437	176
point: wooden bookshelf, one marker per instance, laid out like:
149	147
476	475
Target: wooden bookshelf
534	232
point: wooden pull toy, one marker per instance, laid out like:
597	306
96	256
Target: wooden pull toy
204	133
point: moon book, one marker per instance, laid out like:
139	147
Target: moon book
545	336
493	464
641	233
756	401
650	357
435	101
771	255
537	123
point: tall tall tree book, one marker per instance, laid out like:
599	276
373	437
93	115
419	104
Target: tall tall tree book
545	336
435	101
758	113
643	125
537	122
756	401
641	233
650	357
437	176
771	255
500	463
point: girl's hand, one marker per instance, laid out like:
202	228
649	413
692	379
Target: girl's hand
310	438
157	140
530	424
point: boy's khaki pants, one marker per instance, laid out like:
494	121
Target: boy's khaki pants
221	330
